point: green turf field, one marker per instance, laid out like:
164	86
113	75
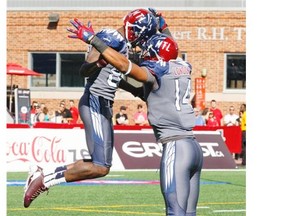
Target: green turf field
221	193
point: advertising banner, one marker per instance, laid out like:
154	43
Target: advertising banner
22	106
232	136
133	149
140	151
200	91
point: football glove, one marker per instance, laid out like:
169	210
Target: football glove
82	32
161	21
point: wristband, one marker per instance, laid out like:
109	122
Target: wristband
98	44
129	68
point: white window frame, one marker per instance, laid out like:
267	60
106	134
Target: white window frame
58	74
226	90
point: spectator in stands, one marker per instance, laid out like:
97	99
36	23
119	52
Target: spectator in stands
239	118
212	121
42	105
33	111
74	112
243	128
204	114
64	113
46	115
230	119
44	110
121	117
39	115
51	114
216	112
199	120
33	106
236	156
140	117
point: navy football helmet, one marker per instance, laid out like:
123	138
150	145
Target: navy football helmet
113	39
139	26
160	47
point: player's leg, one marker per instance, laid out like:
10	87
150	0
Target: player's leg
99	139
96	113
167	178
195	180
97	119
179	162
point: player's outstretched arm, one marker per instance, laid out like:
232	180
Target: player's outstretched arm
87	69
93	63
125	66
82	32
136	91
119	61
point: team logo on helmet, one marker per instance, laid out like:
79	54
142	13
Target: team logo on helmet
139	26
160	47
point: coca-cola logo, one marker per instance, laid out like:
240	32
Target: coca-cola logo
40	149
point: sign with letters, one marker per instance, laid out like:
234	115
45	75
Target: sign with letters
212	34
140	151
133	149
200	92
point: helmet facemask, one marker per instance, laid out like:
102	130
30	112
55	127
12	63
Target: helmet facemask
139	26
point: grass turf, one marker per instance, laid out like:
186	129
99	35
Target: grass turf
221	193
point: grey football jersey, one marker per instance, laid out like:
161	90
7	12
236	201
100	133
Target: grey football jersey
104	83
170	112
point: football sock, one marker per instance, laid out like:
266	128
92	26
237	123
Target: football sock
54	176
49	171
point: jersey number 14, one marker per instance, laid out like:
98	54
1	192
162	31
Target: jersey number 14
178	94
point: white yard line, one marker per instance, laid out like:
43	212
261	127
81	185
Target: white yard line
231	210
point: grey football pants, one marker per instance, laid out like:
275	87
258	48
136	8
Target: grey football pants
96	114
180	170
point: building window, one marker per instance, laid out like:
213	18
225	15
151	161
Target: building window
235	71
58	69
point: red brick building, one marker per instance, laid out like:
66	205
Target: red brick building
210	37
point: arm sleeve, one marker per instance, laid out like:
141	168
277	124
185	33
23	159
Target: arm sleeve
136	91
87	69
151	80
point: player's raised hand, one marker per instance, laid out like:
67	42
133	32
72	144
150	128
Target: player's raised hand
161	21
82	32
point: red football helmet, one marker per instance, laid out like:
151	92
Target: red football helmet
160	47
139	26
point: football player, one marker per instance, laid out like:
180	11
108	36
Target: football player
96	103
95	106
167	83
